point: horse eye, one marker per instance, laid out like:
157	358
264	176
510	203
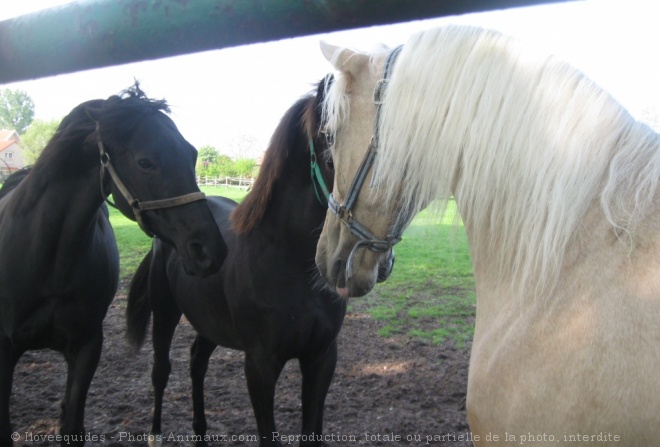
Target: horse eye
329	163
145	163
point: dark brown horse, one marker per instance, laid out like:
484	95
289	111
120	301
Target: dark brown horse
59	264
264	300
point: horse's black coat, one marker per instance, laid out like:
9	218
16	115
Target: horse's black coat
264	300
59	264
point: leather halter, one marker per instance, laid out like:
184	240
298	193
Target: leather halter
344	211
135	204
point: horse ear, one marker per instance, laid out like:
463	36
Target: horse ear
344	59
329	51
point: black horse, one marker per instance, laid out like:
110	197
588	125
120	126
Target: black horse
264	300
59	264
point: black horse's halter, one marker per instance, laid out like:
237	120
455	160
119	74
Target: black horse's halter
344	211
135	204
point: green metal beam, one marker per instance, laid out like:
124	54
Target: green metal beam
97	33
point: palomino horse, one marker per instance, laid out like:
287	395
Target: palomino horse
558	188
59	264
266	299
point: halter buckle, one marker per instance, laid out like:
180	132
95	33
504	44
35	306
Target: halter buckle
344	215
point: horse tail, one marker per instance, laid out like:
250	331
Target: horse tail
13	180
138	309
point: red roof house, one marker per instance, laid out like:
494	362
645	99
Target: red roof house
11	153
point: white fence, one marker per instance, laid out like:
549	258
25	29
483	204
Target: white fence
230	182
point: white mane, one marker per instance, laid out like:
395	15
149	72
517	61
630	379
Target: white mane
526	142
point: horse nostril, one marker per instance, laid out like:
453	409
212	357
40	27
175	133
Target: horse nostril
385	267
199	253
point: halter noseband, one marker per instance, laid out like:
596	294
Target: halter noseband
135	204
344	211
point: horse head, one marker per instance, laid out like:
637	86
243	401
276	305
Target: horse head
150	169
355	248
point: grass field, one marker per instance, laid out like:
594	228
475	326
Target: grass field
429	295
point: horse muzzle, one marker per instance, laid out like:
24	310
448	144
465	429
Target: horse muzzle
194	233
386	266
367	270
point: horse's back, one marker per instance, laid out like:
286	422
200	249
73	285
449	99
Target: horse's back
221	208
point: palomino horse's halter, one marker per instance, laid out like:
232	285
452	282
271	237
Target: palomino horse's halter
344	211
135	204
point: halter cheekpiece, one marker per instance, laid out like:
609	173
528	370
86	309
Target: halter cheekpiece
320	188
344	211
135	204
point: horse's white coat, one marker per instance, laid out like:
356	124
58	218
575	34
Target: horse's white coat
558	188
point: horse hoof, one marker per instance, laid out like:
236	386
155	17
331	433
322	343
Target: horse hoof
155	440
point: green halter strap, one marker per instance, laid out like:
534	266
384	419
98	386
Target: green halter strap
317	177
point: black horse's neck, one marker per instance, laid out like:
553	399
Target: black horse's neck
294	213
68	175
283	206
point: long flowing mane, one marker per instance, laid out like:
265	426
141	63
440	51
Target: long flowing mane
302	115
526	142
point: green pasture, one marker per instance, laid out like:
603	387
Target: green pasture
430	294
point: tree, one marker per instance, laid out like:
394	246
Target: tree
224	167
245	166
36	137
206	157
16	110
207	154
213	164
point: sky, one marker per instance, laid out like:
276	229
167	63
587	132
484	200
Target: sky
220	97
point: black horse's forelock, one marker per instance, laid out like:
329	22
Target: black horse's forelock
119	115
135	93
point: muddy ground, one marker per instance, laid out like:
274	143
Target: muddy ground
386	392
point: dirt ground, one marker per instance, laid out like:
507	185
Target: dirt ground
386	392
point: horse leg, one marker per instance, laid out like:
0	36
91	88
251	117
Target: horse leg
317	372
200	353
9	356
165	321
82	361
262	372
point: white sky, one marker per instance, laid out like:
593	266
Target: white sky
219	96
